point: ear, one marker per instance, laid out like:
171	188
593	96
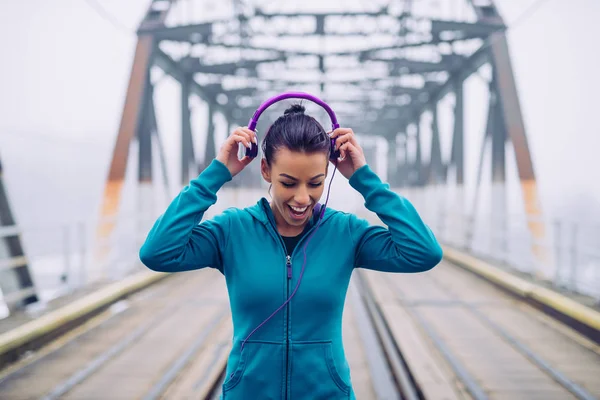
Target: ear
265	170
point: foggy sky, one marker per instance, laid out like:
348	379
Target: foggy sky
65	71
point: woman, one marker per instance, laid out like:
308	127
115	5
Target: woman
287	341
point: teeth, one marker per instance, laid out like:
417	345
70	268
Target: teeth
299	209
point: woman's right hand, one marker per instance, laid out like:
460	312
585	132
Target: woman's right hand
228	154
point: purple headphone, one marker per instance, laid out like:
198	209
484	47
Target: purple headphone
253	150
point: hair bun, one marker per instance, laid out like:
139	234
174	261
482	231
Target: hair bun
295	108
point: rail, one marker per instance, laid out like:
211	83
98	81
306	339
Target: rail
566	258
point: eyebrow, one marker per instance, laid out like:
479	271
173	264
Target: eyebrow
291	177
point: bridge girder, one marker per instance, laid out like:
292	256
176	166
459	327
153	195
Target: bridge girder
236	64
414	63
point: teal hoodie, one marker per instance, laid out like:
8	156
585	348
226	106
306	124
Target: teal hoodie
298	353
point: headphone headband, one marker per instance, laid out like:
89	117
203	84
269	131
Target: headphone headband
253	150
290	95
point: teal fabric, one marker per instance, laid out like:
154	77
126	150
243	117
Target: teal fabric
297	354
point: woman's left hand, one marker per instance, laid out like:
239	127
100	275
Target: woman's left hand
350	151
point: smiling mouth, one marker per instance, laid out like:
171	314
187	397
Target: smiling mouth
298	212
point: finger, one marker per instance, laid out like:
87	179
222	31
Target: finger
251	133
247	134
351	138
234	140
340	140
231	142
239	138
348	149
344	150
335	133
340	131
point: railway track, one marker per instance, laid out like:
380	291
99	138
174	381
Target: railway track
493	345
150	346
444	334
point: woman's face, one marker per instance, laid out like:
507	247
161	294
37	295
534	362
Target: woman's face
298	181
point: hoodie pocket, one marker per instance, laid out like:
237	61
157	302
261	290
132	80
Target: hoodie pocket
316	373
253	370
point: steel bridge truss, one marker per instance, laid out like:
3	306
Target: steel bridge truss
380	70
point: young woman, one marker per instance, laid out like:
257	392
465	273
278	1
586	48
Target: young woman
287	266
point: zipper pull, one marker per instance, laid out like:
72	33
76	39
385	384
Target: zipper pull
288	263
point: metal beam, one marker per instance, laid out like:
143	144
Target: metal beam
483	27
418	163
209	152
161	149
17	279
441	30
170	66
468	30
509	99
249	47
203	32
130	121
435	170
401	66
403	174
196	65
144	136
327	52
361	82
380	12
392	160
459	74
196	33
215	89
498	134
187	142
487	12
457	157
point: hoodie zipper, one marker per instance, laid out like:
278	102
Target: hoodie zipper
288	265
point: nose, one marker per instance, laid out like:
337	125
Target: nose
302	196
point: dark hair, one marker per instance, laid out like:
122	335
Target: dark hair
295	131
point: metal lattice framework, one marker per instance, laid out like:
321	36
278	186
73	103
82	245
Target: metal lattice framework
16	282
380	68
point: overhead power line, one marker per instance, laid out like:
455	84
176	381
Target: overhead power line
101	11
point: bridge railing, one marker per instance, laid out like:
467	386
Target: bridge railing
64	258
567	257
67	257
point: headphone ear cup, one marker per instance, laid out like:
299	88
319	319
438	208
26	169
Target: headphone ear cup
333	154
252	152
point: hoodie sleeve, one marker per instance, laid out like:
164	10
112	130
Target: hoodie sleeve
406	245
177	240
